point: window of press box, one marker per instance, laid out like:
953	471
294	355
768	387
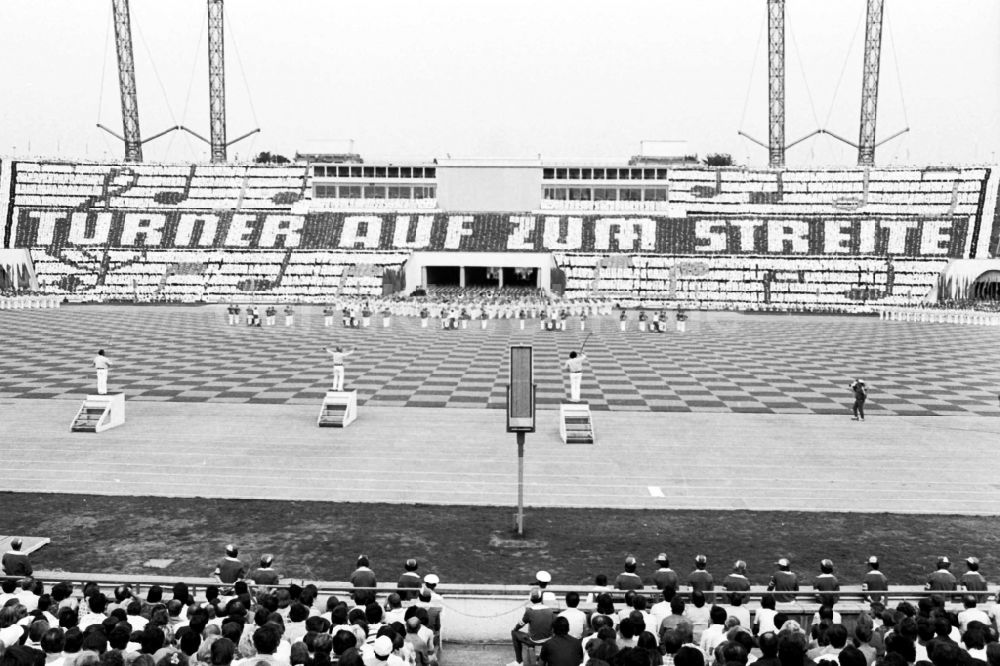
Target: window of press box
661	174
548	173
655	194
430	172
598	174
380	172
350	191
393	172
374	192
630	194
605	194
343	172
355	172
585	174
647	174
574	174
405	172
418	172
369	171
579	194
560	174
319	171
399	192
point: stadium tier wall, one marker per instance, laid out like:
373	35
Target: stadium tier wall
721	237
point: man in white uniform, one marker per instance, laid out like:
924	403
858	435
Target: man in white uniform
338	355
575	367
102	364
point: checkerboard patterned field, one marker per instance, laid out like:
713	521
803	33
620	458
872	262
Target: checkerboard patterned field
724	363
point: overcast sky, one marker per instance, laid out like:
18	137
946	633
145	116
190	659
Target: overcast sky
572	79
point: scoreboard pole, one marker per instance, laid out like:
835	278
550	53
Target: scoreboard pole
520	484
521	414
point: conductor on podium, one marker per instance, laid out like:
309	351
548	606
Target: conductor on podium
338	355
102	364
575	367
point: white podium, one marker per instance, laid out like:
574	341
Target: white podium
575	424
339	409
99	413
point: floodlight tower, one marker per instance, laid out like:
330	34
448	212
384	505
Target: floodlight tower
776	145
126	82
216	81
869	83
776	82
867	144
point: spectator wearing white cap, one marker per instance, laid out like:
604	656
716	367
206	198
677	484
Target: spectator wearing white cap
229	569
941	579
664	576
383	651
700	580
265	575
431	582
15	562
972	580
825	584
629	579
737	584
784	580
542	580
874	581
409	580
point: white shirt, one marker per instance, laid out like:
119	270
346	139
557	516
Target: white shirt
101	362
29	600
765	620
972	615
742	613
577	621
711	638
660	611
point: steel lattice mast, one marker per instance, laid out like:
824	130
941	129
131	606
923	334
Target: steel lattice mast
216	81
776	81
126	81
869	83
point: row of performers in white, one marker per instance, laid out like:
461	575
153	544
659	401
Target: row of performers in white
360	308
29	301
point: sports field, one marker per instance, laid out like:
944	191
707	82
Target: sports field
726	362
110	502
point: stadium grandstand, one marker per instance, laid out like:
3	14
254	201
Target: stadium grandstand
640	235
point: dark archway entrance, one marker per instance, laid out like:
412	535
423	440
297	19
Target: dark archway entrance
987	287
482	276
443	276
520	277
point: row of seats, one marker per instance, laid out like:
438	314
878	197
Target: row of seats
751	281
883	191
157	186
929	191
722	281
